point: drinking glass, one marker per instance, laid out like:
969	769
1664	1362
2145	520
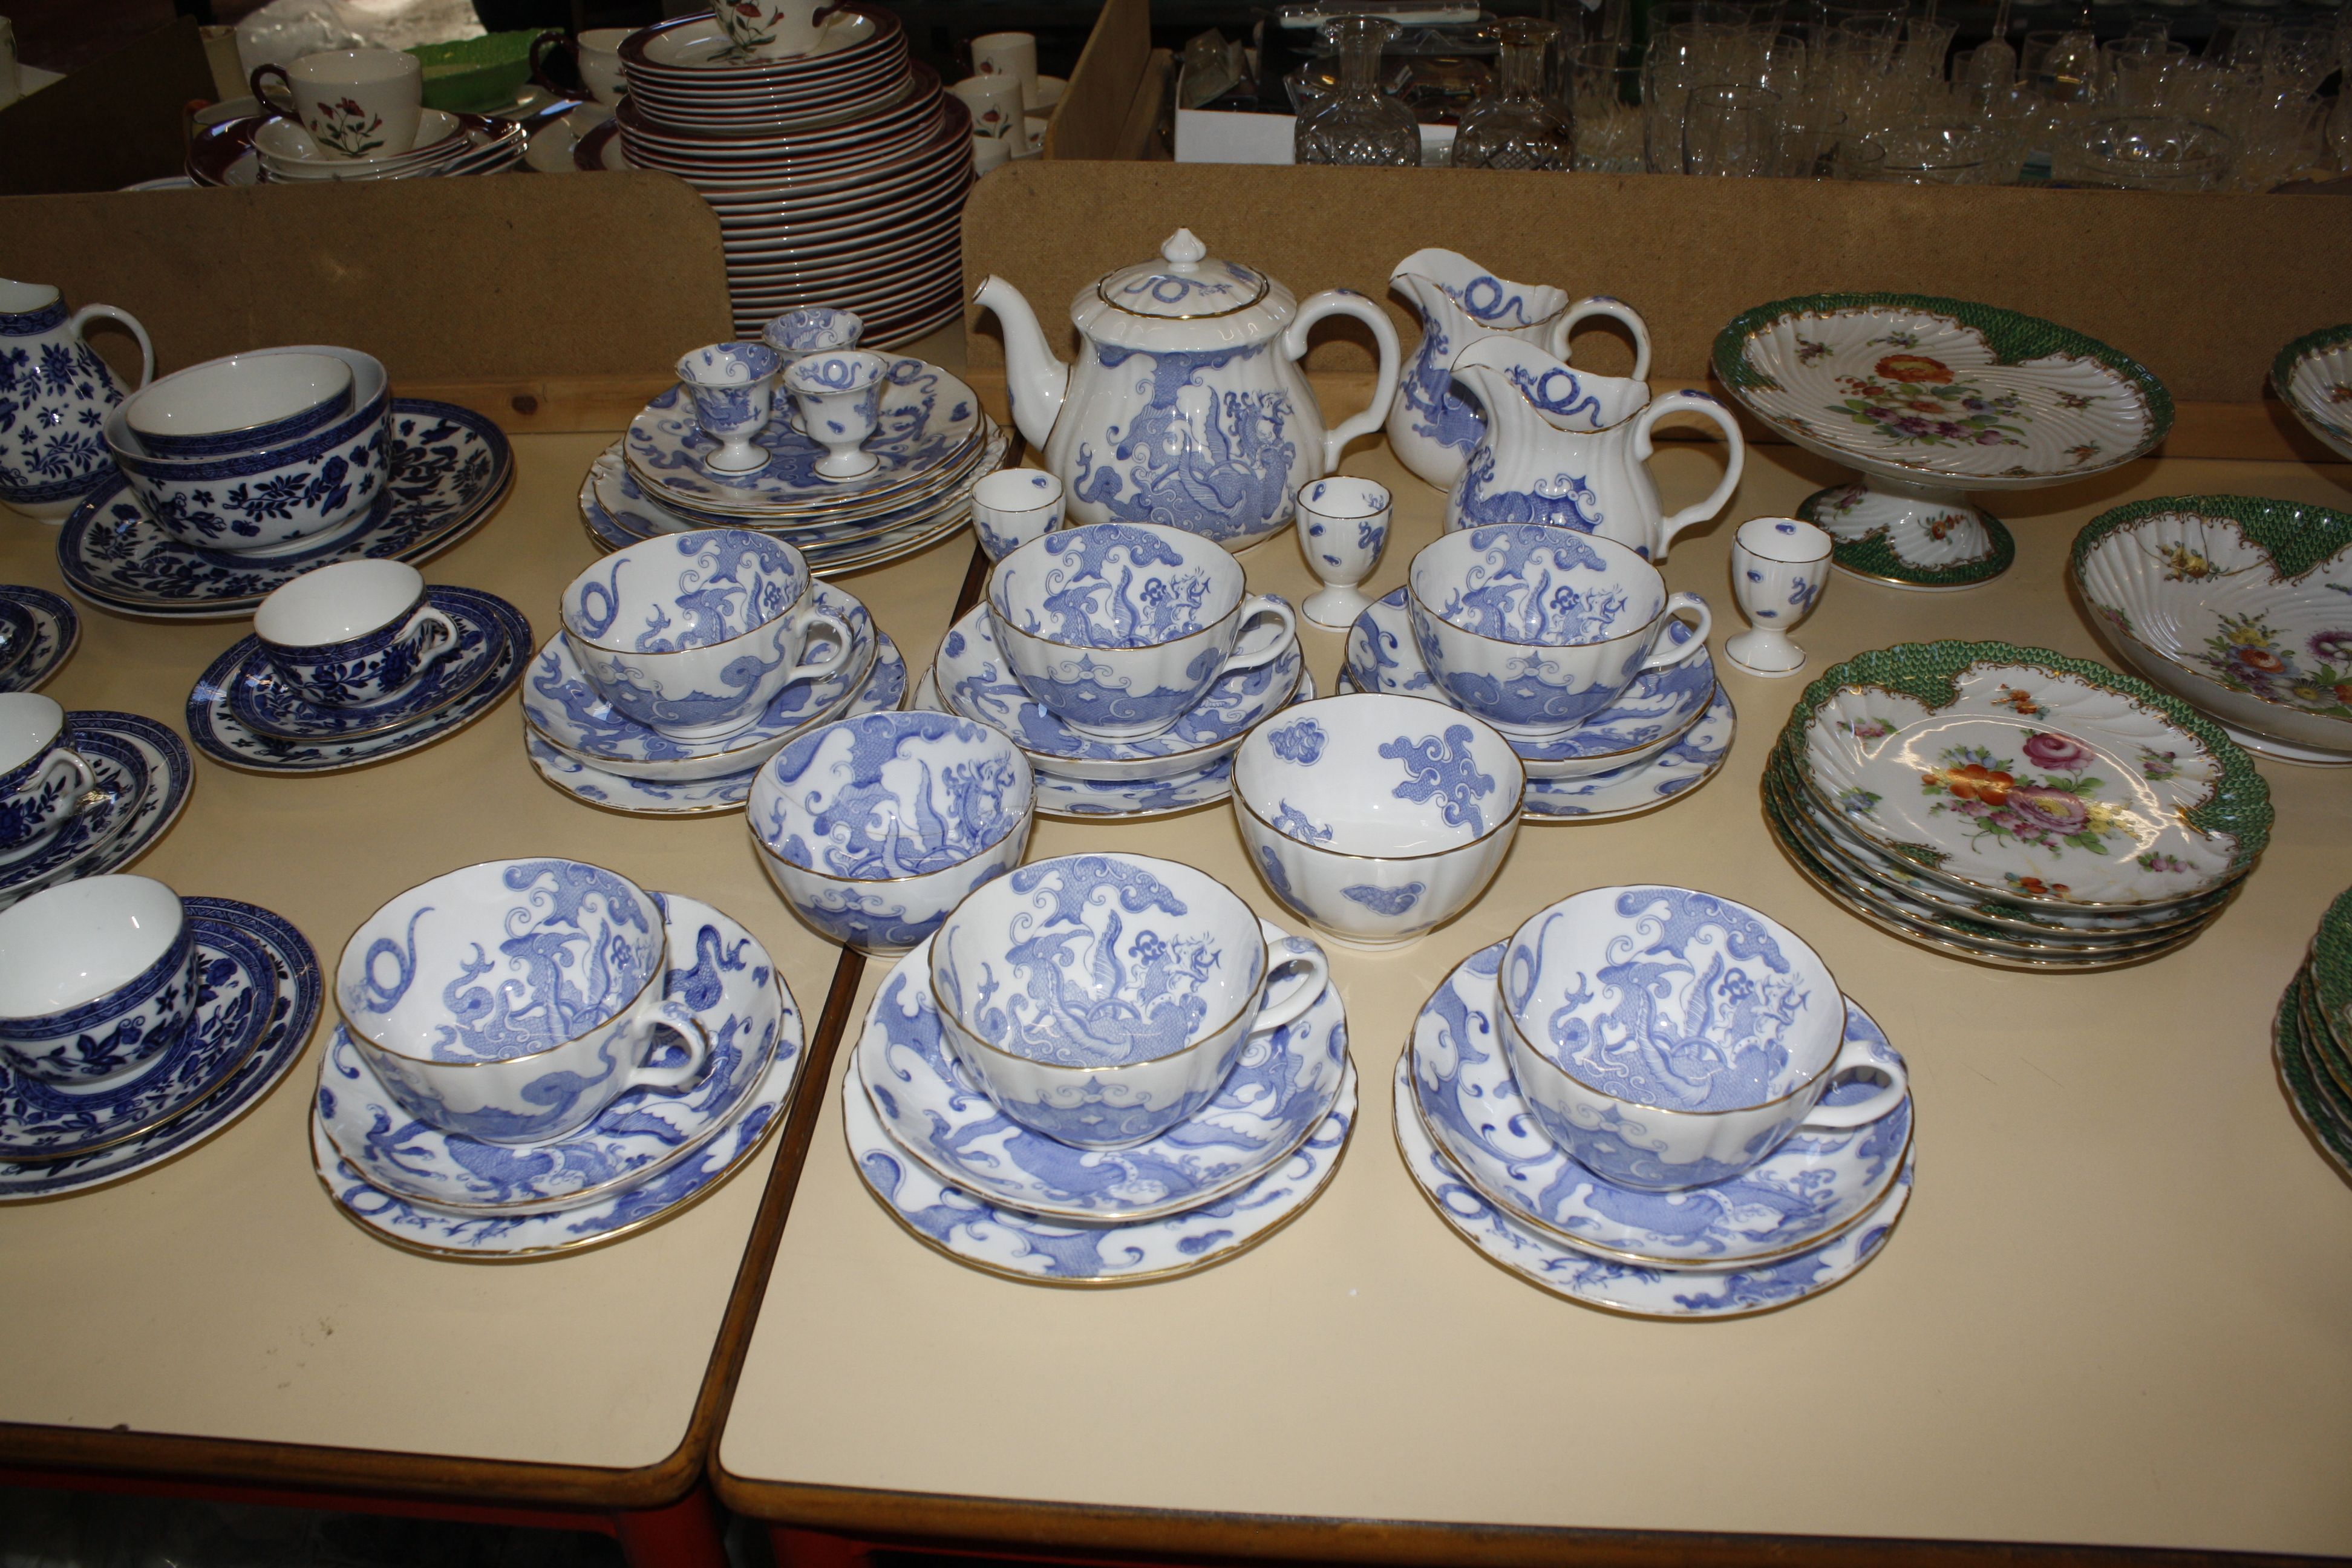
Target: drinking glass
2240	38
1810	132
2063	67
1605	98
1730	130
1517	126
1359	124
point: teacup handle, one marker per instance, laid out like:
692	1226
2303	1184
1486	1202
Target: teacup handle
89	313
1609	308
1270	649
541	46
822	621
426	618
1664	653
265	70
1314	973
1854	1056
1697	402
676	1016
67	763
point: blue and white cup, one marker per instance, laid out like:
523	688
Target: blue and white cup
1668	1038
812	328
1778	568
512	1001
839	396
1101	999
44	782
98	977
1343	526
693	635
734	390
1120	628
239	404
1012	506
354	633
1536	629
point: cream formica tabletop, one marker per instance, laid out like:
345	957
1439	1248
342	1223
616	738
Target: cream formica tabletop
2114	1312
224	1295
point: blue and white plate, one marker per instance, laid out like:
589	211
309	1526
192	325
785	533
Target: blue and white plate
1815	1186
1022	1245
287	1001
225	738
449	466
1660	705
613	490
264	704
42	631
1644	1292
144	774
1282	1086
886	686
718	968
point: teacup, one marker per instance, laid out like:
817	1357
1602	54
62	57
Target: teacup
734	389
694	634
1012	506
995	105
43	781
839	395
595	53
354	633
239	404
355	104
1668	1038
775	29
96	978
1101	999
512	1001
1534	629
1118	628
1009	54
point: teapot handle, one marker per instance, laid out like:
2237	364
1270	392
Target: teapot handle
89	313
1612	308
1347	302
1701	404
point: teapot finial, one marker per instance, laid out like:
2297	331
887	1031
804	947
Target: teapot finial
1183	251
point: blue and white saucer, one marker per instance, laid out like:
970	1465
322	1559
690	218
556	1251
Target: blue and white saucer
144	774
1809	1190
449	466
262	702
42	632
1282	1086
222	735
284	996
885	687
1643	1292
719	969
612	489
1020	1245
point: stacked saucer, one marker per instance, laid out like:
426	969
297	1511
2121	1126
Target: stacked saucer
1043	1152
139	779
2013	806
254	149
1510	1135
490	1145
2308	1037
37	634
2313	375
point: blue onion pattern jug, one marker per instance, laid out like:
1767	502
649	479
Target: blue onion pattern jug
1187	405
54	395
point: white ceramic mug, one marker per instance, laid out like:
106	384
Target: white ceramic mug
355	104
995	105
1008	54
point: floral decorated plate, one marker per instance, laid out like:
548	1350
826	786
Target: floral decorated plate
2022	773
824	560
46	632
611	487
2331	967
264	704
2239	606
144	774
1931	398
2305	1079
2328	1058
2313	374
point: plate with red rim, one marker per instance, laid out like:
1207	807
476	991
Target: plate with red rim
901	101
695	48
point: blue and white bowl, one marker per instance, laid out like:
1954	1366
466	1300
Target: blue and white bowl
874	828
1669	1038
96	979
512	1001
1376	817
1101	999
1536	629
239	404
272	495
1118	628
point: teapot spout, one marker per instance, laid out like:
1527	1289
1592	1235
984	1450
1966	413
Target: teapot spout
1036	380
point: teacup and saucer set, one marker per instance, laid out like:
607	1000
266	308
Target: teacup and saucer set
1100	1069
1128	661
135	1024
39	632
82	793
240	474
1572	648
686	661
1657	1101
355	664
624	1054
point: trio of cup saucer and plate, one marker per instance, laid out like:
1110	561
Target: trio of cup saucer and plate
39	632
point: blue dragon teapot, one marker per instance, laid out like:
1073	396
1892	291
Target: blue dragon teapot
1187	405
54	395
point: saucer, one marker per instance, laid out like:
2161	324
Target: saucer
282	141
221	736
144	774
886	685
2306	1081
264	704
560	702
1281	1088
448	467
290	1009
52	630
1027	1246
737	995
235	983
1800	1199
612	487
899	542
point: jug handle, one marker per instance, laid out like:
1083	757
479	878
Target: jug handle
1347	302
89	313
1701	404
1612	308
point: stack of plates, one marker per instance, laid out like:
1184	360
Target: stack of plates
2310	1035
267	147
2014	806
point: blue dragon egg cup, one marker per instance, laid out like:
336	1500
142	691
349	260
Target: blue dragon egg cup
839	396
97	978
811	330
1012	506
733	386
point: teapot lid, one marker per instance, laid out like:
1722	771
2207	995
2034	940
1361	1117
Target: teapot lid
1184	284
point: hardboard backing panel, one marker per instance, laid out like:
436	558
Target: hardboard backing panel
109	125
